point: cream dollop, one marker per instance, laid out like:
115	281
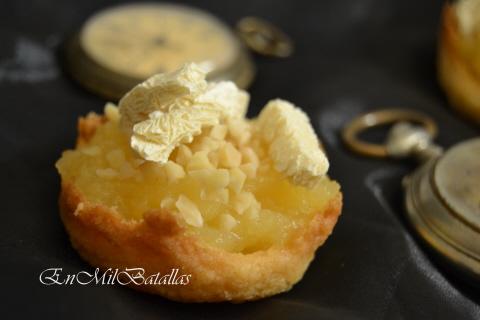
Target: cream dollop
169	109
293	144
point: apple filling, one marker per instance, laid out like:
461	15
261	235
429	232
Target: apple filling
223	185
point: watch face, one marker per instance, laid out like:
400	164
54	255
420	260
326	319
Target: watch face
139	40
457	181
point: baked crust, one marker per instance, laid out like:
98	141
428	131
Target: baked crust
159	243
457	73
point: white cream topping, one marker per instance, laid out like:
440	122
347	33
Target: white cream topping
169	109
293	145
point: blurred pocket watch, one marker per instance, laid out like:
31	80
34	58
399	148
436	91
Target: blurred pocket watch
442	196
121	46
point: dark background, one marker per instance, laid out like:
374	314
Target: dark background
351	56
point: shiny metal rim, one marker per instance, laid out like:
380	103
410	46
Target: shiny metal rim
352	130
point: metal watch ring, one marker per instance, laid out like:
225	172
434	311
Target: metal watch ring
377	118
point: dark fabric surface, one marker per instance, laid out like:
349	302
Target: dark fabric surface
351	56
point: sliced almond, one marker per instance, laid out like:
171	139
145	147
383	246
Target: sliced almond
239	130
173	171
199	161
207	144
227	222
183	155
167	203
189	211
218	195
250	169
237	179
213	158
219	132
229	156
211	178
253	212
111	112
249	155
243	201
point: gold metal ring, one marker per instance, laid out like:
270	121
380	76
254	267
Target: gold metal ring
264	38
377	118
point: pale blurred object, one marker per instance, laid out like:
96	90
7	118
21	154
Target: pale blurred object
120	47
264	38
143	39
459	56
468	15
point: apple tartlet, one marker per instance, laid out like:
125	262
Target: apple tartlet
459	56
177	177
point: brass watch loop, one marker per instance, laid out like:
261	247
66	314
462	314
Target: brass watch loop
351	131
264	38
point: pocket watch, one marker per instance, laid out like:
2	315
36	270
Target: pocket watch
442	196
121	46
